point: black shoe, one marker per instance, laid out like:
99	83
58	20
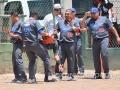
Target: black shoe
14	80
70	77
107	76
97	76
81	73
47	80
58	76
21	81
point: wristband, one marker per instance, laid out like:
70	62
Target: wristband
82	27
73	27
58	62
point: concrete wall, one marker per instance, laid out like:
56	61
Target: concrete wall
66	4
6	59
113	54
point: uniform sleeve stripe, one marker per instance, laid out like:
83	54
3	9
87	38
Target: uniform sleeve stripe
111	26
20	34
40	31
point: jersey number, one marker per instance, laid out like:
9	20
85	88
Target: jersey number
26	30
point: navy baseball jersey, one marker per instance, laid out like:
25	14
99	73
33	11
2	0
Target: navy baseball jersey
30	30
99	28
66	32
16	26
15	29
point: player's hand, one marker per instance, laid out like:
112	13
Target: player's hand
87	14
16	36
77	30
118	41
55	32
70	22
6	30
60	68
23	50
48	34
83	30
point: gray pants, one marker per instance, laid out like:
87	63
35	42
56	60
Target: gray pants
68	52
38	49
79	61
17	62
100	47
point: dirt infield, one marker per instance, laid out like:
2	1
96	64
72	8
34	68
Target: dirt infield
85	82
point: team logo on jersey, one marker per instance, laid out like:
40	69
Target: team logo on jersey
101	29
26	28
26	24
70	34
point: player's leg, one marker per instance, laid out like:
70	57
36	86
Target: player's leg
62	53
19	62
76	61
40	51
104	55
35	66
96	59
15	68
32	58
79	56
45	71
55	47
70	47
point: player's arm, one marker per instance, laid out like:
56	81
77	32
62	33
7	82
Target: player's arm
41	32
57	58
114	31
40	29
57	29
11	34
82	29
83	24
112	28
74	28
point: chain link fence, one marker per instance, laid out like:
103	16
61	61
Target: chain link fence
23	7
44	7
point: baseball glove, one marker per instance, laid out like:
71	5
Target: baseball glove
47	39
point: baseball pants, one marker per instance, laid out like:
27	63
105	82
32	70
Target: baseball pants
38	49
100	47
17	62
68	52
79	61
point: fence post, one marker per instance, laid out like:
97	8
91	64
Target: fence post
1	20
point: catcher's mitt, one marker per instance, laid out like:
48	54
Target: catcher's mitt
47	39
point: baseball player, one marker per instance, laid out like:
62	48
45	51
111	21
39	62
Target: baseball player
17	62
99	26
67	29
50	42
29	32
79	61
50	21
